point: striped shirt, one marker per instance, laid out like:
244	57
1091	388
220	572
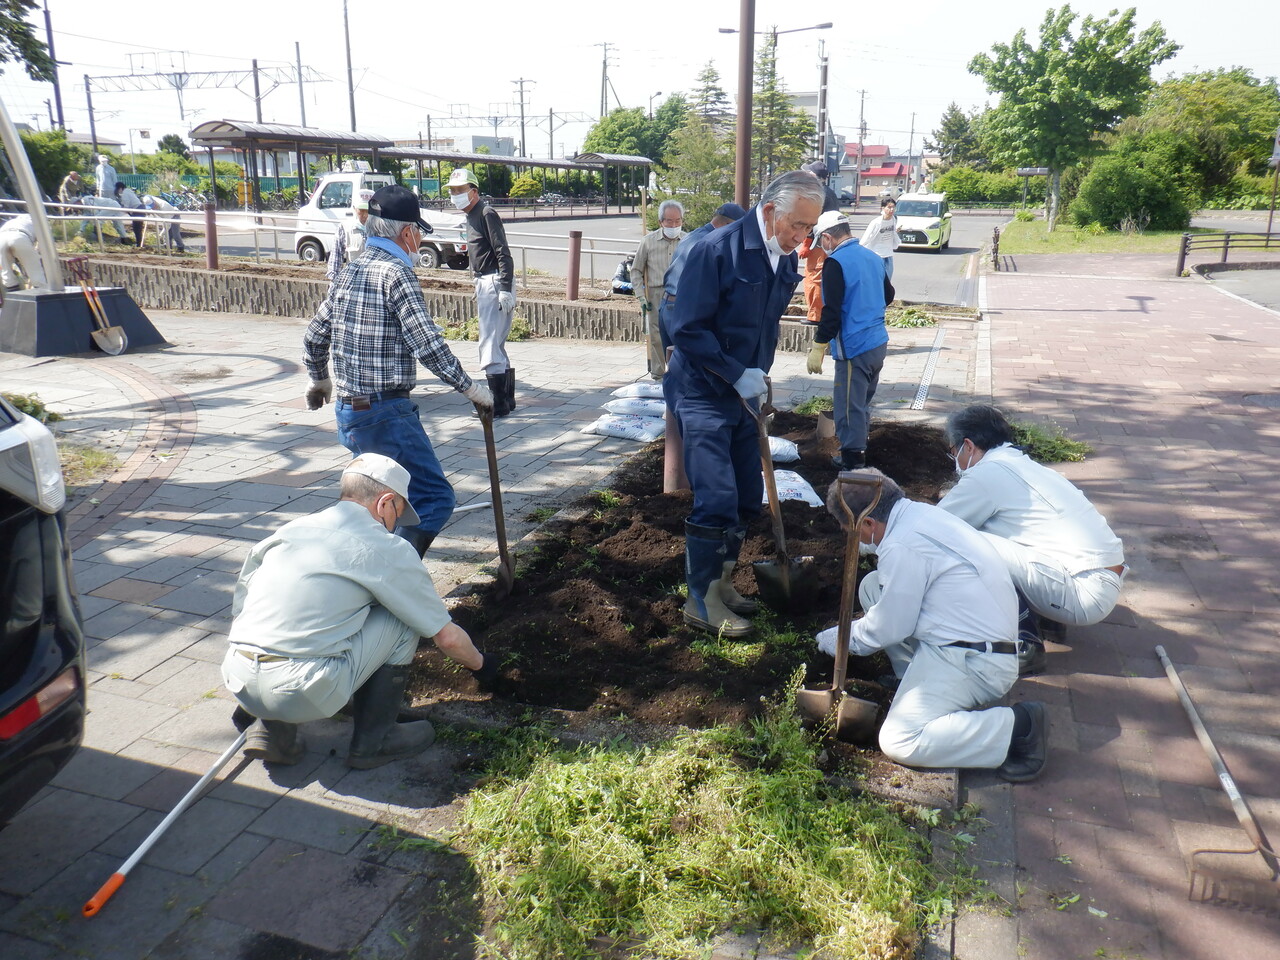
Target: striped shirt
376	325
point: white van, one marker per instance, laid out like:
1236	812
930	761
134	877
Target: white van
330	208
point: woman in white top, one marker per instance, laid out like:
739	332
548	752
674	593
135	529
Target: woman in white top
881	235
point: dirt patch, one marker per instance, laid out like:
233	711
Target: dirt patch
593	623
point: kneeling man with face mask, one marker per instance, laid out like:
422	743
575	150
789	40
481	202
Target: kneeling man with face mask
941	605
329	609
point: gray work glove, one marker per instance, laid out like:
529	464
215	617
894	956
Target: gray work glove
506	301
480	395
751	384
319	393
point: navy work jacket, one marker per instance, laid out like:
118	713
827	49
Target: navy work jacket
728	304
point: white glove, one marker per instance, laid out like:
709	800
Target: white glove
827	640
480	395
506	301
751	384
319	393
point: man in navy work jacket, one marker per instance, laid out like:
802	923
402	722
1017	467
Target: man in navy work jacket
735	286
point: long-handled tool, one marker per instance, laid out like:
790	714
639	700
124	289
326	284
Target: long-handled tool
852	719
506	569
1215	886
116	880
786	583
111	340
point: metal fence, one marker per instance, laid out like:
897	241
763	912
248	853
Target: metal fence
1225	242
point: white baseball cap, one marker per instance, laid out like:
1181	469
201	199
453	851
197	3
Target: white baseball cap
391	475
832	218
362	199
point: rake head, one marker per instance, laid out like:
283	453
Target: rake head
1219	886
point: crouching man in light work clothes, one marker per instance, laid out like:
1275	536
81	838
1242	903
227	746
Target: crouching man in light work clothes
1060	551
332	606
942	607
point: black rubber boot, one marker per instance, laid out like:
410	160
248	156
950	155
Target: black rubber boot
704	559
510	376
729	595
1027	753
498	387
377	737
274	741
849	460
1032	658
419	538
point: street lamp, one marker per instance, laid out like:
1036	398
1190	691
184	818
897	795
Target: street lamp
746	55
145	134
658	94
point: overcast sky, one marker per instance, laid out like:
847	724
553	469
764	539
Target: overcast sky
461	58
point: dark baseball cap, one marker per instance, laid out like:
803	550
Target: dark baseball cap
818	169
394	202
730	211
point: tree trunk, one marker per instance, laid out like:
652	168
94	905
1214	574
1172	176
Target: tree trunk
1055	184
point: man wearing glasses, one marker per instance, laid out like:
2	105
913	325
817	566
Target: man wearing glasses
653	257
376	325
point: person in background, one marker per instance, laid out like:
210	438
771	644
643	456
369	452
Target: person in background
653	258
158	205
881	235
104	175
811	252
129	200
69	191
725	214
347	244
18	250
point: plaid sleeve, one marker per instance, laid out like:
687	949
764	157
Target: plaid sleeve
315	342
404	297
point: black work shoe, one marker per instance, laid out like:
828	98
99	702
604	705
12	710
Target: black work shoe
274	741
849	460
1027	754
1051	629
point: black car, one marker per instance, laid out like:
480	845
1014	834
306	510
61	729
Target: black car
42	676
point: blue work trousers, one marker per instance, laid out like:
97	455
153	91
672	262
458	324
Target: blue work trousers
855	386
393	428
721	459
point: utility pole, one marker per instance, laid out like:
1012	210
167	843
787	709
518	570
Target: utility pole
52	124
746	65
521	82
862	135
551	134
257	93
351	87
57	87
604	81
93	130
822	104
302	98
911	146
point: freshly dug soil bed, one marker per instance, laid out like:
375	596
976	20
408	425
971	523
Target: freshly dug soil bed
594	624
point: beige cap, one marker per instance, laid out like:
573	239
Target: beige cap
391	475
462	177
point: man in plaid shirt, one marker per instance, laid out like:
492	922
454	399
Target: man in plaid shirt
376	324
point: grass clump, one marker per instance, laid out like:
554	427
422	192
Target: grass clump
32	406
469	329
908	317
1048	444
673	843
1034	237
815	405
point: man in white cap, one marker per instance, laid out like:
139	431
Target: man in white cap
330	608
494	272
104	175
348	241
855	291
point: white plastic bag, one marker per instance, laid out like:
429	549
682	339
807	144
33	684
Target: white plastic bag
792	486
637	407
645	429
783	450
642	388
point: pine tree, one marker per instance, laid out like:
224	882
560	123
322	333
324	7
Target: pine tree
781	135
709	101
956	140
699	171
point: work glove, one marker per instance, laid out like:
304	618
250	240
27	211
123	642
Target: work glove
480	395
751	384
506	301
319	393
827	640
816	353
644	306
487	675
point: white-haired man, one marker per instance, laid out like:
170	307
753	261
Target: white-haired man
348	239
653	257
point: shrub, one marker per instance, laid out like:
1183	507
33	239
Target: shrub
1024	216
32	406
1116	190
526	186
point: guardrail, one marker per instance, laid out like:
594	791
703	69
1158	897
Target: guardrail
1227	241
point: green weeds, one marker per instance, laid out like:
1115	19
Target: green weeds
815	405
908	317
32	406
1048	444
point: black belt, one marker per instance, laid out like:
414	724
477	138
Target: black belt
993	646
362	402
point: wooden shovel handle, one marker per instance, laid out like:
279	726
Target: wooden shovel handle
848	589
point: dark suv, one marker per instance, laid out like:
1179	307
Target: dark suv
42	681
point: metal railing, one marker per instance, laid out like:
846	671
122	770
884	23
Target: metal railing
1224	241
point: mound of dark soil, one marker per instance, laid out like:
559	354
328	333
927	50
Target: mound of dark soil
594	623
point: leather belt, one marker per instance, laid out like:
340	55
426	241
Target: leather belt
364	401
1118	569
992	646
260	657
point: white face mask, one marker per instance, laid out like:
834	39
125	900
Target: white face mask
775	247
866	549
956	460
671	232
460	200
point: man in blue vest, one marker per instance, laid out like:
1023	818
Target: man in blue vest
734	289
855	290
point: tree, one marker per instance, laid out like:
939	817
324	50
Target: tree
1117	194
18	41
1057	98
781	135
526	186
956	140
172	143
699	171
667	119
709	102
624	130
52	158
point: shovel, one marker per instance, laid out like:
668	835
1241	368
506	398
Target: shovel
852	719
786	583
110	340
506	569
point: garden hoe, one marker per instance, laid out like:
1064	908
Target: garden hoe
852	719
110	340
506	569
786	583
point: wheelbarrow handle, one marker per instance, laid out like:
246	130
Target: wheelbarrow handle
848	588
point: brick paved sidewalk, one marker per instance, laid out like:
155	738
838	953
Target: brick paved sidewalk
1163	377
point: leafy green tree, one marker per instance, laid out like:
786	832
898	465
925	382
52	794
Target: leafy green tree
526	186
1055	99
624	130
699	171
956	140
667	119
52	158
709	102
18	43
781	135
1117	193
172	143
